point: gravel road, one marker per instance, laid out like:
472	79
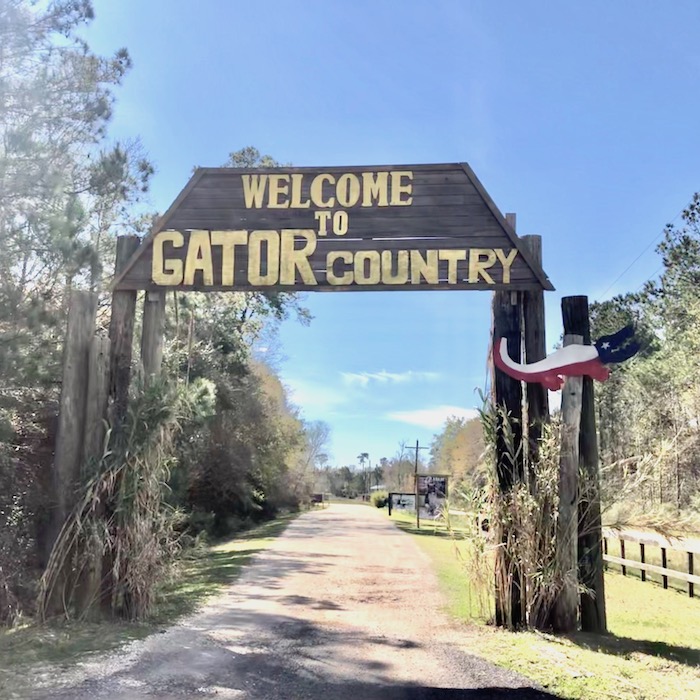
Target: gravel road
343	606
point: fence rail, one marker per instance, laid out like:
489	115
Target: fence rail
689	547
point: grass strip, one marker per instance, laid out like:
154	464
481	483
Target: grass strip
651	653
197	576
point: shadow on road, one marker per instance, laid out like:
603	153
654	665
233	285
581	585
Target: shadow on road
282	657
247	646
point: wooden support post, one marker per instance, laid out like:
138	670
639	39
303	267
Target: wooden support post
507	393
88	590
590	555
605	551
643	560
622	556
71	418
691	586
535	349
96	404
152	334
664	564
566	606
121	333
416	489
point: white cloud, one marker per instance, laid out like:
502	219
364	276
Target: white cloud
313	397
383	377
433	418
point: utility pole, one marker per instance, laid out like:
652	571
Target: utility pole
415	477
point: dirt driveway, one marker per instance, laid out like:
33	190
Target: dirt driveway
343	606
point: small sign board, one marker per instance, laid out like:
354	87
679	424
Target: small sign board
403	501
335	229
432	483
432	494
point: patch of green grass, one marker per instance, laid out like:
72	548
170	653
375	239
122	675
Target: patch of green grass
196	578
652	653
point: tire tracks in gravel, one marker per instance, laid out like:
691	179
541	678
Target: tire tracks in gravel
342	606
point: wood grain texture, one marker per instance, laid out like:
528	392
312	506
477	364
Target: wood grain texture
535	350
121	334
71	418
96	404
590	556
152	334
449	210
566	606
507	393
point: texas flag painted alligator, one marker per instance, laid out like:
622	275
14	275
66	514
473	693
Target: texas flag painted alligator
570	361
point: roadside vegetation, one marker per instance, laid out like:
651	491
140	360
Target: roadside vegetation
651	653
213	449
202	573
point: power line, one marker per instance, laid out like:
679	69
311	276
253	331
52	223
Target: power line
629	267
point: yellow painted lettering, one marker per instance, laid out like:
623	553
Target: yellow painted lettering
477	266
399	188
425	267
296	203
346	257
228	240
166	271
279	185
401	274
507	262
256	276
348	190
368	267
254	190
340	223
375	189
316	191
293	260
452	257
199	258
323	217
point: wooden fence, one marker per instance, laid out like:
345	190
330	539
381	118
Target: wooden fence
642	540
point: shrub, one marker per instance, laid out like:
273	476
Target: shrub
379	499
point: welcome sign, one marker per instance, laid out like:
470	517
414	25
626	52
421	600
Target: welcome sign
342	229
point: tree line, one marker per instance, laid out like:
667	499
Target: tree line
235	450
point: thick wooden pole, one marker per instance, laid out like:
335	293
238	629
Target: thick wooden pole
121	334
566	606
535	350
88	588
96	404
507	393
71	418
152	334
537	403
590	535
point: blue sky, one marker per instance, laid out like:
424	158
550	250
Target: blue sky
580	117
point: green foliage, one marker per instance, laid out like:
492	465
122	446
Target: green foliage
458	450
379	499
121	528
648	411
64	192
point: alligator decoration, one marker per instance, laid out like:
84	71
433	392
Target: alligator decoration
570	361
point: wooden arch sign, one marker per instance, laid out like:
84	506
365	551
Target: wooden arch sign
333	229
